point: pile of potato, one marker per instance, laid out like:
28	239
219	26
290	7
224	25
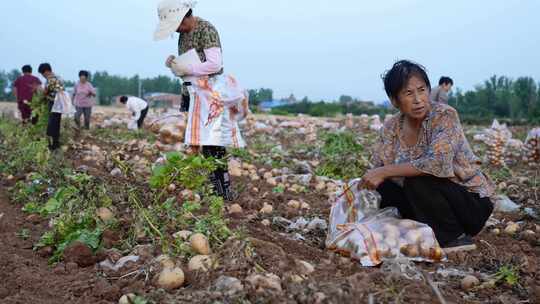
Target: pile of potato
364	121
532	147
349	121
496	147
407	238
171	130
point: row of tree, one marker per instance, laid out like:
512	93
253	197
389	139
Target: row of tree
109	86
500	97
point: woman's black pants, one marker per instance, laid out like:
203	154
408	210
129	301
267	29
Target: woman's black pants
220	178
53	127
448	208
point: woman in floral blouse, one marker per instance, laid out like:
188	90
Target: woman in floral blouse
52	87
424	166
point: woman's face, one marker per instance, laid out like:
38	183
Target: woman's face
82	78
414	99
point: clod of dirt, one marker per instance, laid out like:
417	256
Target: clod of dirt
171	278
199	243
110	239
304	267
265	282
229	285
200	263
80	254
127	299
33	218
469	282
235	209
529	235
267	209
105	214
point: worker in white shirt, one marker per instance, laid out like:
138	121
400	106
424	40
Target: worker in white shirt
138	107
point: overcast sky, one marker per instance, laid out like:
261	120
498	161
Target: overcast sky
317	48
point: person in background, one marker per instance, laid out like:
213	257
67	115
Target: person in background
138	107
84	99
424	166
52	87
24	88
440	93
212	121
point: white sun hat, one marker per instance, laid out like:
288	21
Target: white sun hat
171	13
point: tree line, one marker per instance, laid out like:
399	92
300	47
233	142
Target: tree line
515	100
109	86
500	97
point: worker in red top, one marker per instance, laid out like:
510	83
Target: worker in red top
24	88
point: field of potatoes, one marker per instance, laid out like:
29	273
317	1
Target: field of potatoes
120	216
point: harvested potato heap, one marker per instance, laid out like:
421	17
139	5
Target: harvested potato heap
514	151
311	133
358	229
496	143
496	138
532	147
364	122
376	124
171	129
349	121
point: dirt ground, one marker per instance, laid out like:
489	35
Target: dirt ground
26	277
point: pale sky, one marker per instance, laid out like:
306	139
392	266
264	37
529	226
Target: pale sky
315	48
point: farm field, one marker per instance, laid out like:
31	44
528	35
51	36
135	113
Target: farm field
108	215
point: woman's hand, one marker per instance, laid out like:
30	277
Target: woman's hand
169	61
373	179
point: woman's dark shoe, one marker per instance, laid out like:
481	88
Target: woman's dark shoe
462	243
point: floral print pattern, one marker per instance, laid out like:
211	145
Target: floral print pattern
442	150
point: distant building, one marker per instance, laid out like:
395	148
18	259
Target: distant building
270	104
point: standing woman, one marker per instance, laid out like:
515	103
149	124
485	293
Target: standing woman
53	86
84	98
214	102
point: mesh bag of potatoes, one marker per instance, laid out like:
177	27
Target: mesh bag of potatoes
532	147
360	230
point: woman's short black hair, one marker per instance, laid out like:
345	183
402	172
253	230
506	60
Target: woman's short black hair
446	80
123	99
398	76
189	14
27	69
84	73
44	67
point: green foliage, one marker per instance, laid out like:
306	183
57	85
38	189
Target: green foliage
24	234
40	110
111	86
21	151
189	171
330	109
499	97
278	189
342	156
508	274
260	95
242	154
